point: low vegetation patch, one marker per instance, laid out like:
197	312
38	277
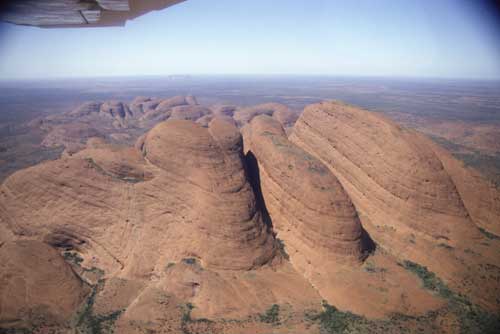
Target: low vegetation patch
186	317
332	320
489	235
73	258
90	323
472	318
15	331
272	315
445	246
186	320
282	249
429	279
371	268
465	317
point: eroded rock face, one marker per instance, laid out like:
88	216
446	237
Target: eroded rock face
317	223
86	109
116	121
115	109
189	112
120	122
184	197
402	180
37	286
189	218
211	160
172	102
404	191
224	110
101	192
290	177
279	111
480	197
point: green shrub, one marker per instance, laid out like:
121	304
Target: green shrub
282	250
472	318
429	279
272	315
90	323
73	257
489	235
445	246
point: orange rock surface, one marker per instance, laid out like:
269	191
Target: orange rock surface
203	227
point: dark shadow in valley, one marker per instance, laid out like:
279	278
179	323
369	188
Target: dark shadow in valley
252	169
369	246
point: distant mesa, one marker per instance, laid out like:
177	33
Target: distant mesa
75	13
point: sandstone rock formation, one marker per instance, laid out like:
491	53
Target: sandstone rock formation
289	177
116	121
122	123
279	111
210	160
480	197
37	287
393	163
315	218
405	194
176	218
189	112
204	227
86	109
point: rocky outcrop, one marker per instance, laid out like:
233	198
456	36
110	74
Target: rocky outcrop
175	101
289	178
115	109
72	136
406	197
148	216
318	225
279	111
189	112
480	197
37	287
224	110
123	123
211	161
402	180
198	222
286	117
116	121
86	109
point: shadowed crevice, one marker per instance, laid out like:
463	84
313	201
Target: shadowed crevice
253	173
369	246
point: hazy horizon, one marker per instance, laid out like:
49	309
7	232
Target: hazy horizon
194	76
449	39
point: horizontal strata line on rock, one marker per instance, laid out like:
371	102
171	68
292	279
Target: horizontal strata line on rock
178	178
332	235
329	162
462	210
295	198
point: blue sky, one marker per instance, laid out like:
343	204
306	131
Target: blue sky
416	38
